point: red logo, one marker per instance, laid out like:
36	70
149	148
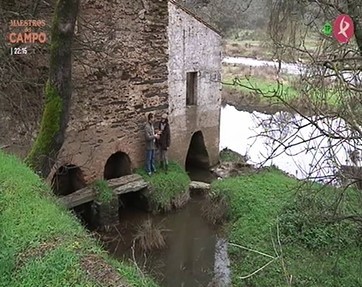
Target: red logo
343	28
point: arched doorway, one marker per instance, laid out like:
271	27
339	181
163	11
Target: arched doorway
197	159
68	179
117	165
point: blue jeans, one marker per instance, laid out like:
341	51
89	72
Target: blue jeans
150	161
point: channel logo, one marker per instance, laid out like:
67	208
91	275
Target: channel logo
342	28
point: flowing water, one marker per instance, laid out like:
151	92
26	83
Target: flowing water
194	254
288	68
294	68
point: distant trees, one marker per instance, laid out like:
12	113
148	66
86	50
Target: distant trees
232	15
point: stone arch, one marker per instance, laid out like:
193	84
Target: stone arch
117	165
67	179
197	155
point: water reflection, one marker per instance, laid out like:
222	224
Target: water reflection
192	255
288	141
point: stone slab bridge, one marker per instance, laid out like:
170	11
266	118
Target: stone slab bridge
122	185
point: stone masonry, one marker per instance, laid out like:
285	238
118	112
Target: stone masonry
130	58
193	47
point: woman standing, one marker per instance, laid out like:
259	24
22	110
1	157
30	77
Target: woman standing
164	141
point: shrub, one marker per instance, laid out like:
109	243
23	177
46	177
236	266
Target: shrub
150	236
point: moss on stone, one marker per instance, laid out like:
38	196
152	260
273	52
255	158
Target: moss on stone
49	127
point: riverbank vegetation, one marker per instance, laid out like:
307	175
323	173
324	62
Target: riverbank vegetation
167	189
261	89
42	244
290	232
257	44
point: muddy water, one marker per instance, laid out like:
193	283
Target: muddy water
192	246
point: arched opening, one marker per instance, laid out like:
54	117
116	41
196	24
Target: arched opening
117	165
197	160
68	179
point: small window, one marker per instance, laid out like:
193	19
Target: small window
191	88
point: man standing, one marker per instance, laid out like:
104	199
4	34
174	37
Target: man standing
151	137
164	141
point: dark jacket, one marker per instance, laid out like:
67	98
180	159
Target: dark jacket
165	137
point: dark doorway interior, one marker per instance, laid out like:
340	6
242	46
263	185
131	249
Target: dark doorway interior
68	179
117	165
131	201
197	160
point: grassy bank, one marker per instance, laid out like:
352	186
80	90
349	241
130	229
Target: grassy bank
42	244
258	44
308	251
167	189
263	90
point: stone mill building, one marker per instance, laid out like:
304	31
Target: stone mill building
132	57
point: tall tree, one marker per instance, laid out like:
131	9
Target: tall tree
58	89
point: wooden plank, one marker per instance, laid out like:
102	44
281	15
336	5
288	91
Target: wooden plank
199	185
131	187
78	197
125	184
116	182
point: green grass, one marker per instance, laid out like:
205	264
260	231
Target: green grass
314	253
260	87
166	187
227	155
266	90
41	243
104	192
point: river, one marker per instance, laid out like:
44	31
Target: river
312	159
294	68
302	150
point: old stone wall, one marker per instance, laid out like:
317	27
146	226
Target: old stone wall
193	47
120	73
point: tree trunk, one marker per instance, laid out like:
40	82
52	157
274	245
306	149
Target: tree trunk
58	89
356	14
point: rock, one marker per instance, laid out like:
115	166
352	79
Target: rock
230	169
199	185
